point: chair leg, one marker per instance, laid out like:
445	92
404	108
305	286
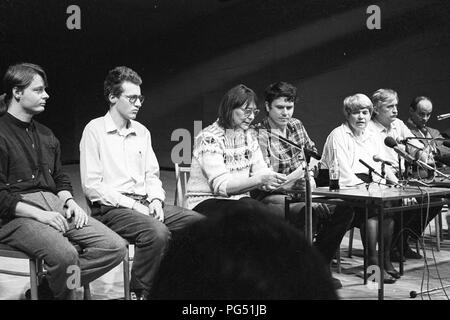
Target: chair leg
40	269
438	224
33	279
350	242
87	292
338	260
126	276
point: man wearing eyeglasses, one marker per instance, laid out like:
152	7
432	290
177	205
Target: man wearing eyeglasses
334	221
120	176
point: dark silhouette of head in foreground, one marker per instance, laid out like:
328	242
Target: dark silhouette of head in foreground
242	255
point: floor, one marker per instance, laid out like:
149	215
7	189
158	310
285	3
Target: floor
420	275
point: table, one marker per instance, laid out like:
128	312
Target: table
375	196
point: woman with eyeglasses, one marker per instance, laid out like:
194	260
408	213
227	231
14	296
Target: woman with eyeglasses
227	162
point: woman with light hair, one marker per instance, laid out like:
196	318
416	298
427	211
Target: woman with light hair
350	143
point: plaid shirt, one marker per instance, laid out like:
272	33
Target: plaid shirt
280	156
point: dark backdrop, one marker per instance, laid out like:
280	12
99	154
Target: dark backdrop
189	52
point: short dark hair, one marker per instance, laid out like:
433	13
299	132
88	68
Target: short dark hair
20	76
235	98
243	254
280	89
416	101
115	78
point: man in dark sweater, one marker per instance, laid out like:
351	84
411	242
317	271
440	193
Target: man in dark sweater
38	214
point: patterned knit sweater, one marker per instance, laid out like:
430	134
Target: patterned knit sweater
220	156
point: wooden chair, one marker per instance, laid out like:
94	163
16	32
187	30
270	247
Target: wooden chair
126	273
181	178
36	267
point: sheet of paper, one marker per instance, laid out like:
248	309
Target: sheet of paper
292	178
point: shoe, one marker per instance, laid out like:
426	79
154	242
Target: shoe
337	284
411	254
388	279
138	295
394	273
44	291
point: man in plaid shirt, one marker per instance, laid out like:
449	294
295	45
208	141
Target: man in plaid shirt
281	156
334	221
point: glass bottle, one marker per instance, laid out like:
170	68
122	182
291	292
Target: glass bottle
334	172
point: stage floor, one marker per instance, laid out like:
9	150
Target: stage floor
425	274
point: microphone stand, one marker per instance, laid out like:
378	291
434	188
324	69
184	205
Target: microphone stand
434	169
420	138
308	202
308	192
437	139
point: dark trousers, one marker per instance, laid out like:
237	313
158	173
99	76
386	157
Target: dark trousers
213	207
330	233
150	237
414	223
332	229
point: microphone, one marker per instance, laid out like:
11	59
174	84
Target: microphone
403	141
377	158
312	153
443	116
391	143
370	168
406	142
367	165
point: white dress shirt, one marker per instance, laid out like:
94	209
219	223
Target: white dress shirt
113	162
399	131
349	150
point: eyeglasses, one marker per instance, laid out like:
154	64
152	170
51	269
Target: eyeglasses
133	98
249	111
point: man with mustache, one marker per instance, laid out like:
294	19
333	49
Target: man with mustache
280	98
120	176
386	123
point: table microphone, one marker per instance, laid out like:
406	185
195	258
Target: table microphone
406	142
391	143
370	168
